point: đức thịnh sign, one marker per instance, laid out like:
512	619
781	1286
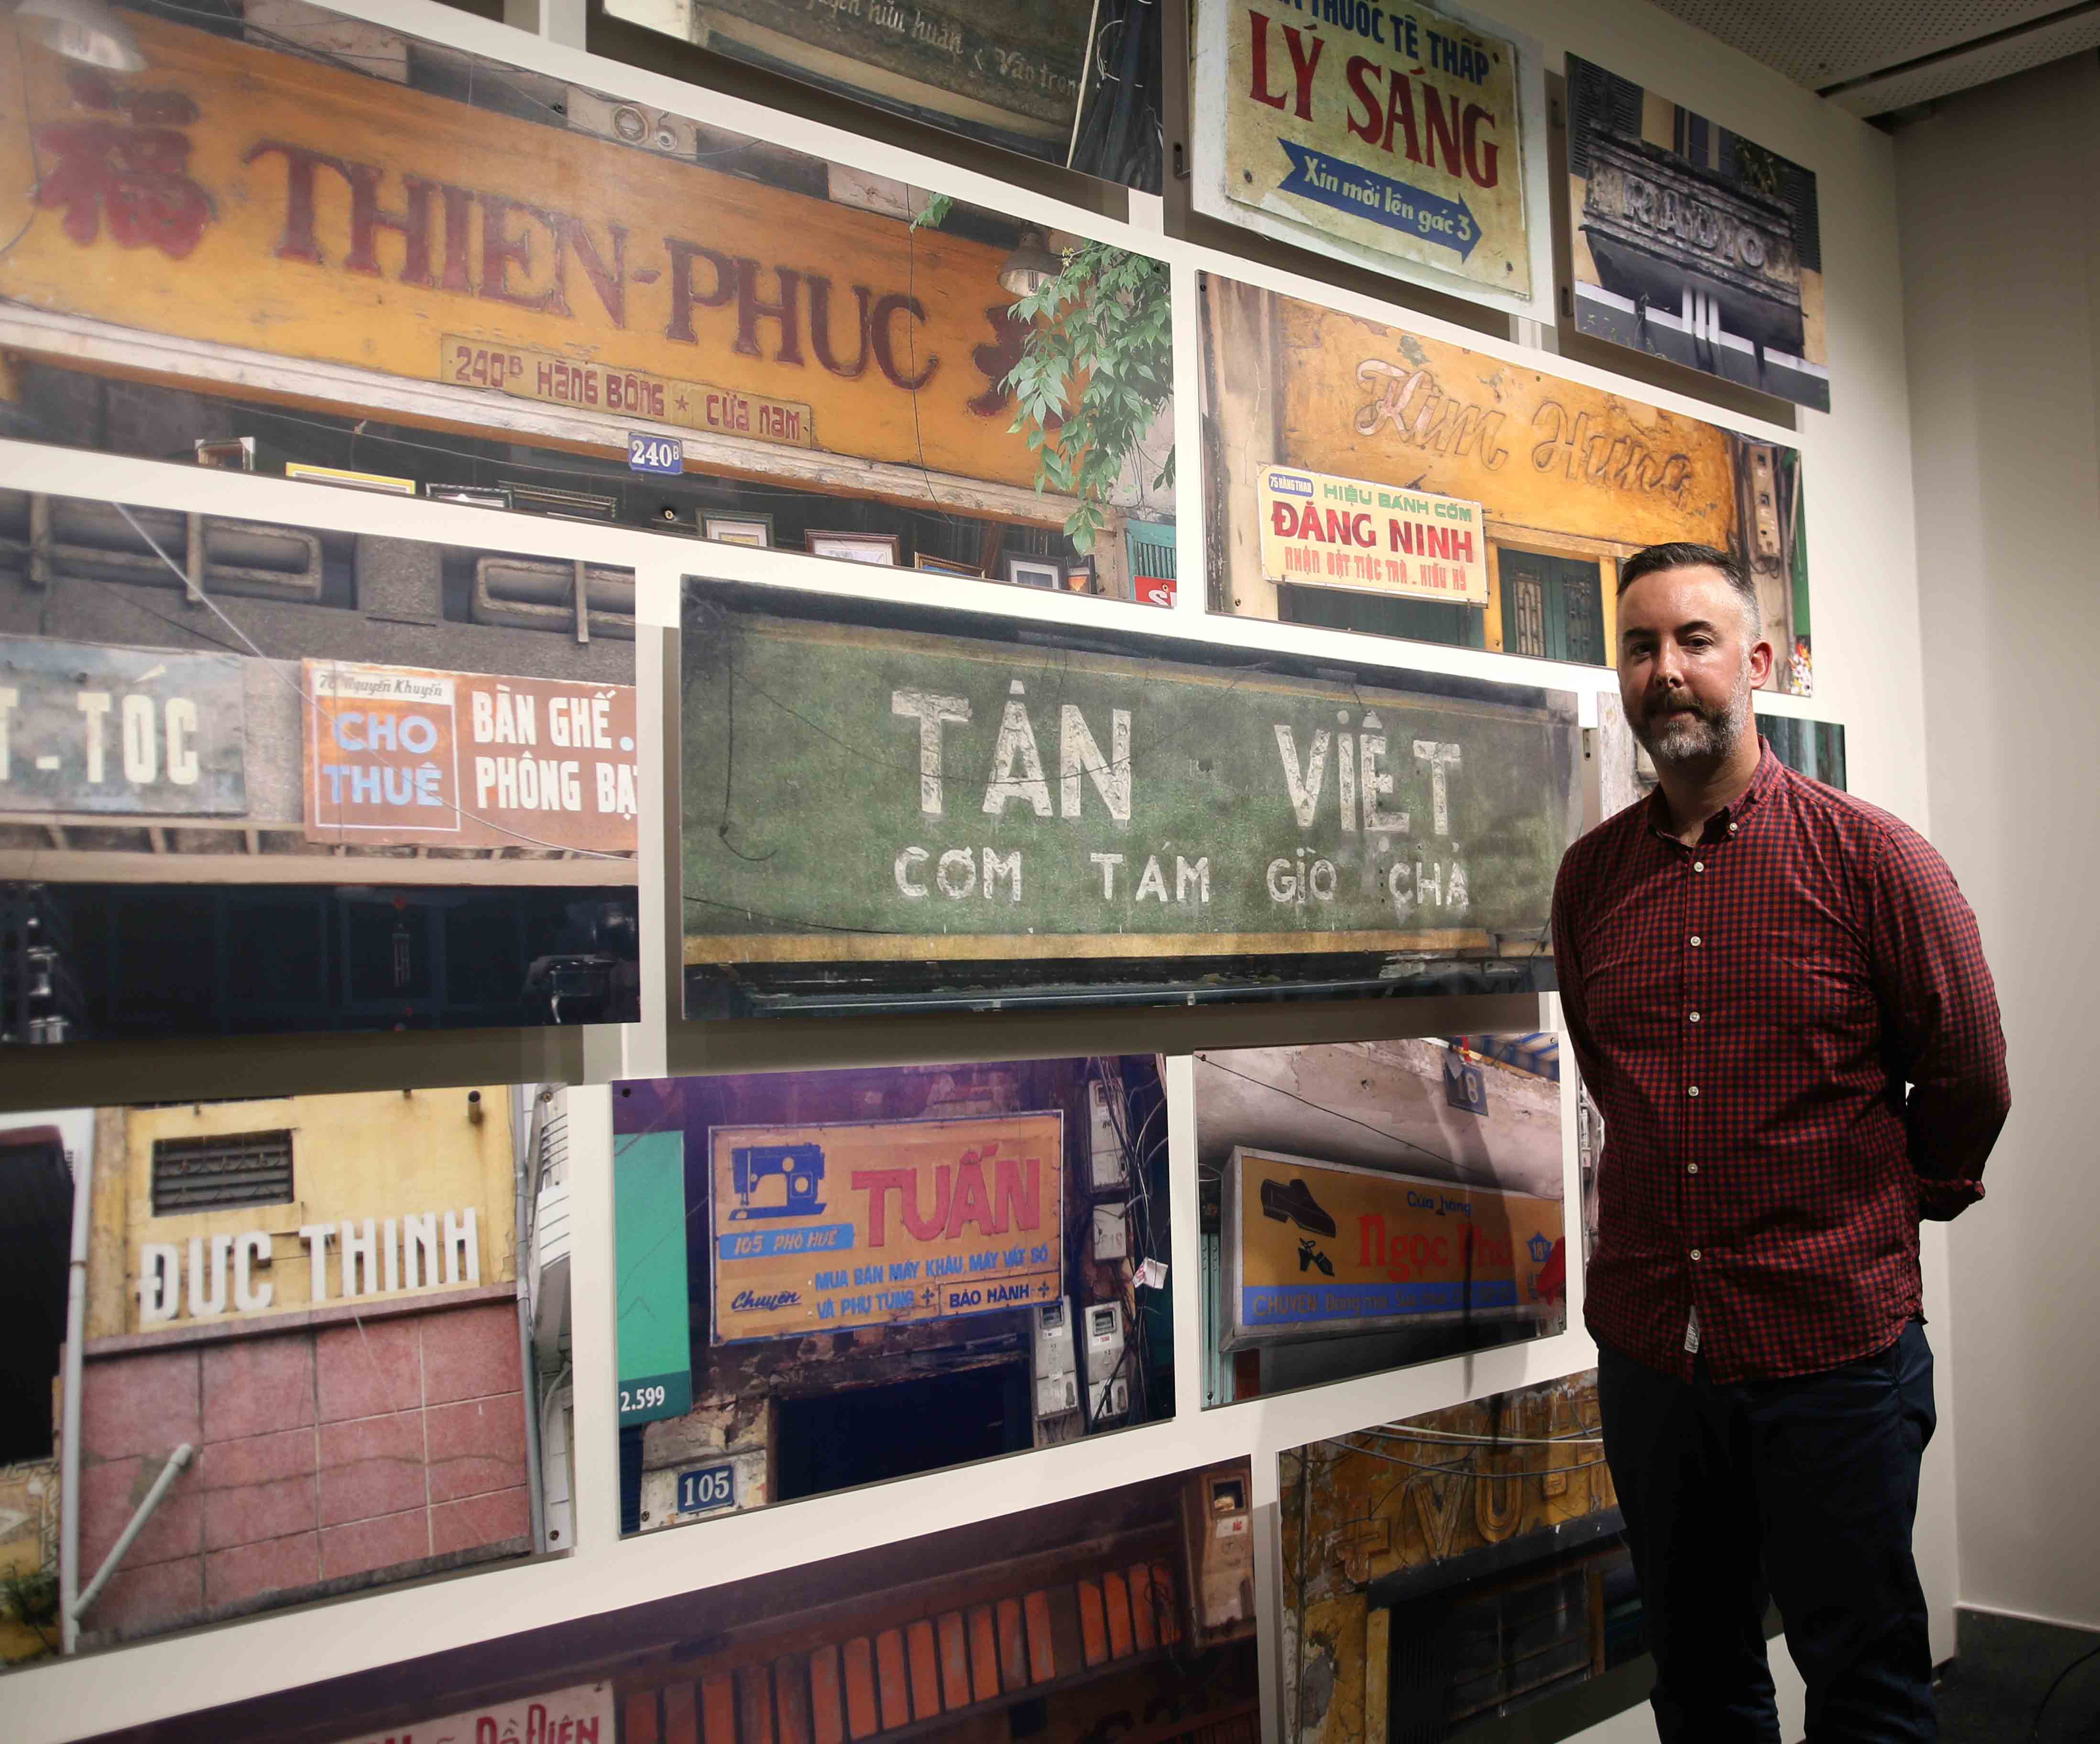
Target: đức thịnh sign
1317	1249
397	754
880	1223
872	795
1369	538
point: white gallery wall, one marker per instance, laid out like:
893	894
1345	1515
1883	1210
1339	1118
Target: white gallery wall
2000	212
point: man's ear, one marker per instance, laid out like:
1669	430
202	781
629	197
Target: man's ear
1761	662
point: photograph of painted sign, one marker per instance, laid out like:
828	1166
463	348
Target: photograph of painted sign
299	1365
1404	139
829	1278
1377	1204
877	814
1067	81
1491	1529
1692	242
222	820
1569	481
1352	534
413	264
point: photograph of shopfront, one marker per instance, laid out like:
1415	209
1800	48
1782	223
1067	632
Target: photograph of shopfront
1366	478
1367	1205
1692	242
356	250
1071	81
1445	1572
883	1271
309	1361
263	777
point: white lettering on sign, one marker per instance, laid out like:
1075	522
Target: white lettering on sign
374	1257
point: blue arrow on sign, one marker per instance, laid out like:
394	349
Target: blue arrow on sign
1379	198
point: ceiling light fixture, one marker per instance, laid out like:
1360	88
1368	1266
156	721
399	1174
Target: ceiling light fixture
1028	268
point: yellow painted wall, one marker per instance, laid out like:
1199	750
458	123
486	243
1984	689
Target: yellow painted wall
28	1547
383	1154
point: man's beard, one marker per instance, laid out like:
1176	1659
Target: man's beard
1704	735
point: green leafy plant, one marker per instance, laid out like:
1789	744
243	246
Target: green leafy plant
1095	370
32	1598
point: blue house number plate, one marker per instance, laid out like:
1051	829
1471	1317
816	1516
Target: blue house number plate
654	454
713	1486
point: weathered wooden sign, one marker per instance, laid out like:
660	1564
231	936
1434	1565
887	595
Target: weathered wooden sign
864	794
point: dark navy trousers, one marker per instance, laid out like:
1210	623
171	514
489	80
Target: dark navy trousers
1804	1490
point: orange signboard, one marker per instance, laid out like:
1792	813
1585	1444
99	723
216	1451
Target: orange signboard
396	755
878	1223
1315	1249
238	196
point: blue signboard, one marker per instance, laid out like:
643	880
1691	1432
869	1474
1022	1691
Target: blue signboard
710	1487
654	454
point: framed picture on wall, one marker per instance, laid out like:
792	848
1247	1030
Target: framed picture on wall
1035	572
754	531
855	548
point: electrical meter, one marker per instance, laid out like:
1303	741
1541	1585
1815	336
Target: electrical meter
1056	1376
1108	1386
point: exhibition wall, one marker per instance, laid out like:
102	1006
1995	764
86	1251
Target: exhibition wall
2004	341
981	549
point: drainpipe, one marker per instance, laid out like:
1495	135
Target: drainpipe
177	1462
83	1194
528	1183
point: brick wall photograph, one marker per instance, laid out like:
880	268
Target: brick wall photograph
318	1298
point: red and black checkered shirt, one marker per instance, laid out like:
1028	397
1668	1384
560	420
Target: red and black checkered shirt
1748	1012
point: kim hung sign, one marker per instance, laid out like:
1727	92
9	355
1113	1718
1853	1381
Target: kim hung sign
134	731
396	755
830	1227
1316	1249
1369	538
879	794
1393	128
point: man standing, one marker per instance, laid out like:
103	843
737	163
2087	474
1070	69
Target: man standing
1754	968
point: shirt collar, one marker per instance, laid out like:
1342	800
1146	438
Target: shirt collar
1769	770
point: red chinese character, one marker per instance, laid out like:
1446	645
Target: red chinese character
136	177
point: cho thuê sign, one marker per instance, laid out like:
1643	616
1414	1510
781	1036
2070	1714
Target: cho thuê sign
1393	128
237	197
881	1223
1370	538
397	754
1317	1249
136	731
895	796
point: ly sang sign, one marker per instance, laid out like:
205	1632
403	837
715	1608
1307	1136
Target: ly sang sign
579	1716
1393	127
880	1223
1317	1249
897	795
137	731
396	755
1350	533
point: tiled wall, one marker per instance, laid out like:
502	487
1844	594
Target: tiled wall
326	1459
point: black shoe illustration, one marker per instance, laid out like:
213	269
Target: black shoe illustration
1294	1204
1309	1256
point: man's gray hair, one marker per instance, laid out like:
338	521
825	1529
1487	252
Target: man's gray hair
1683	554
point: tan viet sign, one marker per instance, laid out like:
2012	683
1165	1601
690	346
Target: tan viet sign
825	1228
1369	538
633	393
396	755
1315	1249
1533	450
234	196
1395	128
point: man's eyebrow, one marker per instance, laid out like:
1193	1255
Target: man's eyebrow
1686	628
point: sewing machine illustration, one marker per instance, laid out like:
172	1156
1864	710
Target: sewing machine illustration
801	1168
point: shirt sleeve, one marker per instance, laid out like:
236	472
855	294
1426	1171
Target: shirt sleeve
1568	973
1940	1017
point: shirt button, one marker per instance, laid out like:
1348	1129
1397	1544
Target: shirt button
1691	1168
1731	828
1693	1017
1693	1091
1694	941
1695	1253
1699	866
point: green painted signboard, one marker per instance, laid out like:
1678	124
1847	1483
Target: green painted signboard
649	1224
858	795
